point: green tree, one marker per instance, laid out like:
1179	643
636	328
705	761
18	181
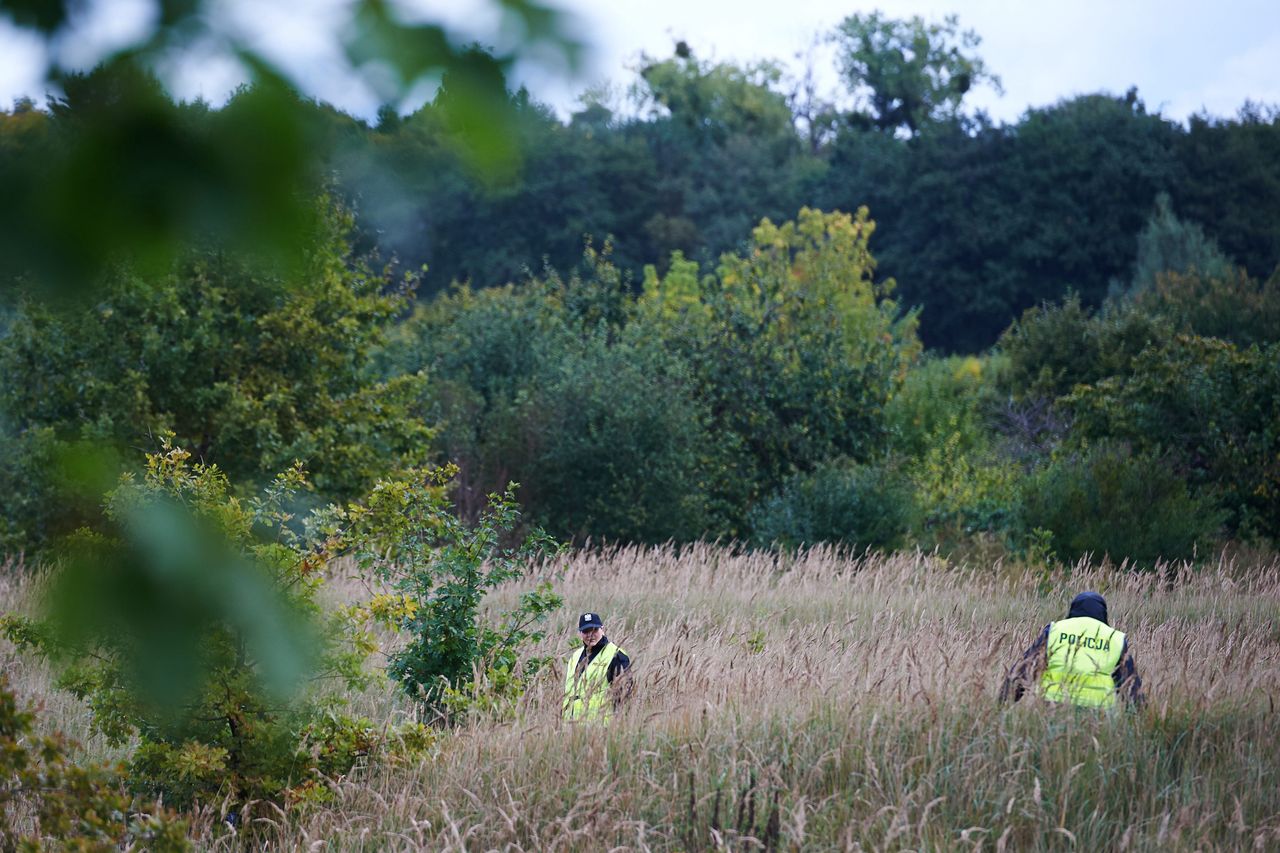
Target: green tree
1231	184
188	620
248	372
793	346
1169	245
906	74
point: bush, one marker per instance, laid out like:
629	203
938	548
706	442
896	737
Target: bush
1053	348
1211	409
28	508
440	569
79	808
248	370
1231	306
188	622
617	447
941	396
1107	501
860	506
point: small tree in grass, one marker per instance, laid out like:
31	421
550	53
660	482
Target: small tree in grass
191	622
440	569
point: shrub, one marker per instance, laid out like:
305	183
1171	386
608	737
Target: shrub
189	621
1211	410
440	569
1231	305
246	369
78	808
28	508
962	492
1053	348
860	506
1107	501
941	396
617	446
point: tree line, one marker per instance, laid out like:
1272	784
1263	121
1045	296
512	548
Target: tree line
433	302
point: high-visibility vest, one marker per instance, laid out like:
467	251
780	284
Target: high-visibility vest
1082	654
586	695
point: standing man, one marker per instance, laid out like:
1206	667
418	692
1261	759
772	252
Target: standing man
596	678
1081	660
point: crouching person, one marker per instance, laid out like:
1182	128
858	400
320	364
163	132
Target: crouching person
1079	660
597	676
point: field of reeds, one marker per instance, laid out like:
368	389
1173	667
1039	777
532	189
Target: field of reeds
826	702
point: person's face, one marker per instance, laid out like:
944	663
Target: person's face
591	636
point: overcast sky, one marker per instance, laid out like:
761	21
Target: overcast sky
1183	55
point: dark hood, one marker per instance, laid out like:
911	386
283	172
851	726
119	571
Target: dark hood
1089	604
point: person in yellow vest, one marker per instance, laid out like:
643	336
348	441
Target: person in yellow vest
1081	660
597	675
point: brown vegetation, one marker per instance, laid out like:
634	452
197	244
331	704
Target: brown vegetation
821	701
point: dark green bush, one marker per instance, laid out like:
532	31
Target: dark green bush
1053	348
1108	501
27	501
617	447
1231	306
1211	409
861	506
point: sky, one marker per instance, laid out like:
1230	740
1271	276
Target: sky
1184	56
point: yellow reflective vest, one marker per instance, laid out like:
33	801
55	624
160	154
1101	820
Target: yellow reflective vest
586	694
1082	654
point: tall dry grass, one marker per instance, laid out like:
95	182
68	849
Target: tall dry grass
825	702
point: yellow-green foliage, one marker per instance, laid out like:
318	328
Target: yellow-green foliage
189	622
47	802
940	421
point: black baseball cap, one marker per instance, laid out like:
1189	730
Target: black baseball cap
589	620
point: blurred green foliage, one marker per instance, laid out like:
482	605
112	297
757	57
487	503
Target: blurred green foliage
118	172
188	621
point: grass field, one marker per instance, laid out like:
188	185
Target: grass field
822	702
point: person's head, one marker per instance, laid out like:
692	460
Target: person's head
591	628
1089	604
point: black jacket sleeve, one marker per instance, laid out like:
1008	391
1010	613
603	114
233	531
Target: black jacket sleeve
1023	673
1126	678
620	664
